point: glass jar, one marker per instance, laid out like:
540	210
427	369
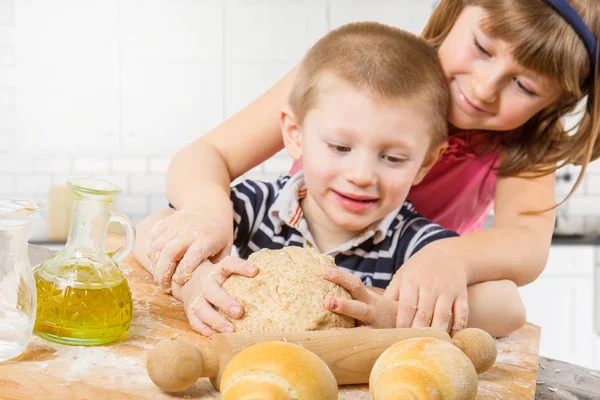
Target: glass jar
83	298
17	287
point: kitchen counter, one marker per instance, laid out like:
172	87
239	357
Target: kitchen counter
575	240
560	380
52	370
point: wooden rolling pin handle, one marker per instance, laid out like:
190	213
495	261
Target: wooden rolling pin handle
479	346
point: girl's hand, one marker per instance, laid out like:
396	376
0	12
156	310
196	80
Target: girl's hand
203	293
368	307
431	289
177	244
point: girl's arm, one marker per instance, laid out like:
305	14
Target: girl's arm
495	306
517	246
198	183
237	145
432	284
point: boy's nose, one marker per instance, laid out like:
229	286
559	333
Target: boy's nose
361	173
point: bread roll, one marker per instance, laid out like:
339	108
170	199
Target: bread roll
287	294
423	369
277	371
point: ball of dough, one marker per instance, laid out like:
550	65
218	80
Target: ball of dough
277	370
287	294
423	369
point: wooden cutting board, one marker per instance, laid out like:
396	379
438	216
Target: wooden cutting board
49	370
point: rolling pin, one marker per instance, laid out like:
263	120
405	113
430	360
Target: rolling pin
175	364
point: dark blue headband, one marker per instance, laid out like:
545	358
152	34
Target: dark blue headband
564	9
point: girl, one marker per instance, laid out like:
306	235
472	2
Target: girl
514	67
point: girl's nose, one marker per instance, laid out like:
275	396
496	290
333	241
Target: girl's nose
484	85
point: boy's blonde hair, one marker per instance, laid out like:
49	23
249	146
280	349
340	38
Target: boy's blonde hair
388	61
544	42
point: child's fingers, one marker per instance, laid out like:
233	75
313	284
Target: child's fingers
352	308
442	314
235	265
201	327
163	239
155	232
217	296
424	314
348	281
198	325
392	292
407	306
220	256
461	315
208	315
167	262
197	252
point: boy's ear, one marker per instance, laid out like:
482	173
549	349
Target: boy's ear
430	159
292	136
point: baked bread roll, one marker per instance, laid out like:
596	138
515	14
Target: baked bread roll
423	369
287	294
277	371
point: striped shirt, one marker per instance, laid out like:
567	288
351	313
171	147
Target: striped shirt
268	215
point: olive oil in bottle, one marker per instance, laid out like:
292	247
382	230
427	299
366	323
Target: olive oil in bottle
87	312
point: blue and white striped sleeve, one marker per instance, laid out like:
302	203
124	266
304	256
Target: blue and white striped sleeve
417	233
250	199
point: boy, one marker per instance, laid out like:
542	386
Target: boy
367	118
367	125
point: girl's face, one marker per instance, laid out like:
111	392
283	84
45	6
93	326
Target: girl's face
489	90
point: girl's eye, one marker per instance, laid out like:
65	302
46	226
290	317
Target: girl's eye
394	159
338	148
523	88
480	48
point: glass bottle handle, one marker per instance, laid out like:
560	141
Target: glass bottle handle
127	225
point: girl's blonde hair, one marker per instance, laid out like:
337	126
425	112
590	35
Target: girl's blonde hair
544	42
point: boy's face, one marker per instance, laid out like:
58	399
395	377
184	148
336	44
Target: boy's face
361	154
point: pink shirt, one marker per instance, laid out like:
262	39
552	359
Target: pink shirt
458	192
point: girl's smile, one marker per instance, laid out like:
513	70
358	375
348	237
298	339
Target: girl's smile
463	102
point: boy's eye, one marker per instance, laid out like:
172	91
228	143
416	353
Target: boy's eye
338	148
394	159
480	48
523	88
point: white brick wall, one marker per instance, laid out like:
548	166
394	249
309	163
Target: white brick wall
112	88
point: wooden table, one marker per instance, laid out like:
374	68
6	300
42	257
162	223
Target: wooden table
49	370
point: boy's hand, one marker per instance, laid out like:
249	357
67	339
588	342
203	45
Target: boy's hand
203	293
431	289
185	239
366	306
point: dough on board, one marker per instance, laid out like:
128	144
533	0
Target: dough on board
287	294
